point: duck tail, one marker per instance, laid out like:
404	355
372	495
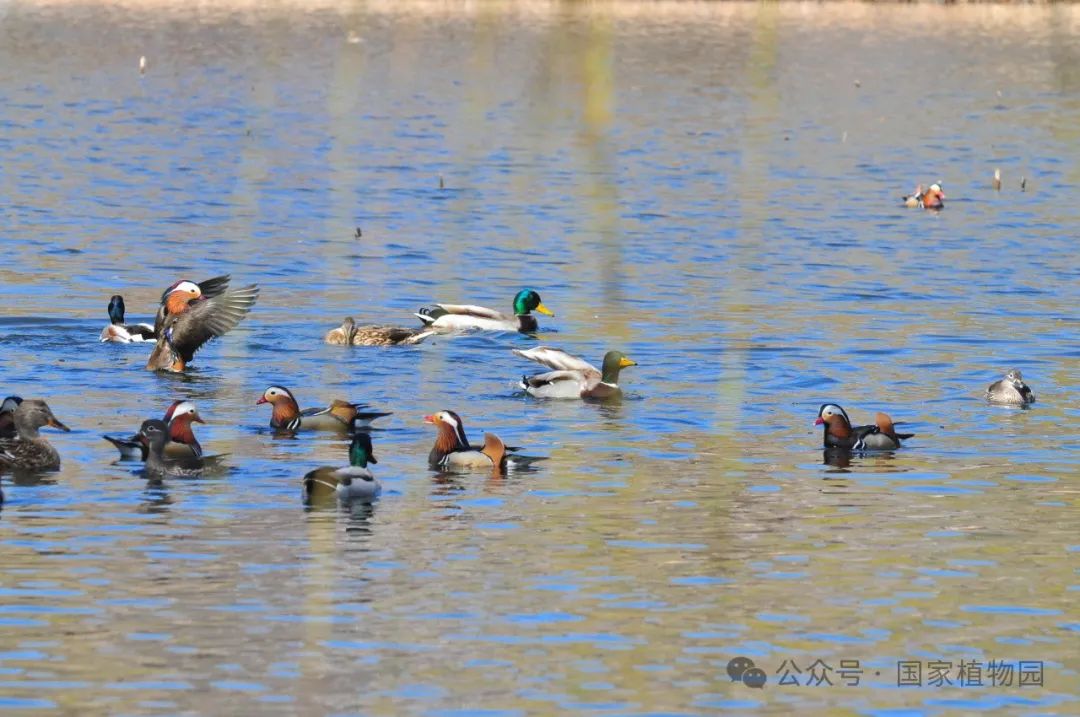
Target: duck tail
885	425
494	449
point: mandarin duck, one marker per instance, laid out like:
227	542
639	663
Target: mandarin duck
1011	390
839	433
191	314
339	416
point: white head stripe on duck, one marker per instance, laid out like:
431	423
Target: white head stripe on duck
831	409
454	421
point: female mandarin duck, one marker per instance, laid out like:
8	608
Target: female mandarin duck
354	482
182	442
119	332
572	377
462	317
28	451
338	416
349	334
154	434
1011	390
452	451
839	433
191	314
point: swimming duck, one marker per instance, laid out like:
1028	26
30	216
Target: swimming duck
354	482
182	442
932	198
461	317
1011	390
572	377
839	433
191	314
119	332
29	451
914	200
154	434
7	416
452	451
338	416
349	334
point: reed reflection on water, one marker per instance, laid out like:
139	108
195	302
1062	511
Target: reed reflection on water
712	188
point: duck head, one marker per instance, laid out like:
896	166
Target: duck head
834	419
153	434
285	406
614	362
10	404
451	431
348	327
1013	377
527	301
179	418
116	310
360	451
31	415
177	297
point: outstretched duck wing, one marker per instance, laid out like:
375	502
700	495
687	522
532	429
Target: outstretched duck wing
206	319
557	359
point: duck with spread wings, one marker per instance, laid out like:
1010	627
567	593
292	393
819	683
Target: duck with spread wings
191	314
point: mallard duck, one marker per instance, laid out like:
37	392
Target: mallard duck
155	434
452	450
191	314
572	377
839	433
28	451
462	317
338	416
1011	390
182	442
7	416
119	332
354	482
349	334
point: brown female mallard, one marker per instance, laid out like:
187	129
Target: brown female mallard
28	451
349	334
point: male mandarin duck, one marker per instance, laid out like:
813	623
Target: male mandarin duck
573	377
154	434
119	332
349	334
839	433
932	198
452	451
28	451
354	482
338	416
191	314
462	317
1011	390
7	416
182	442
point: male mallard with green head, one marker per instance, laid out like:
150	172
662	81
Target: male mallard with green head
28	451
463	317
354	482
120	333
572	377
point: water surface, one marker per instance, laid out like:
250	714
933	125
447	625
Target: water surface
713	189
